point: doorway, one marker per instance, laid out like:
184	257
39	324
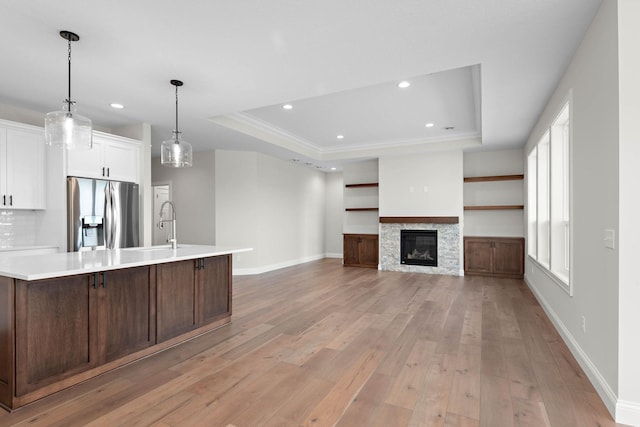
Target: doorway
161	193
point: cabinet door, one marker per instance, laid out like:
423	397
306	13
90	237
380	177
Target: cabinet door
87	163
176	299
508	257
351	250
127	311
24	169
478	255
56	323
121	161
215	288
368	251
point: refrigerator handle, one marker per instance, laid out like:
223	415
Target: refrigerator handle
108	213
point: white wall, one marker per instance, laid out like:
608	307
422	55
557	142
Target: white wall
271	205
495	223
628	409
193	193
422	185
333	213
592	77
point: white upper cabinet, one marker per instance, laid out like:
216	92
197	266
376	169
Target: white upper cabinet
22	166
112	157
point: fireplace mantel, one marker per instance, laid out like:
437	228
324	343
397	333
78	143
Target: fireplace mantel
419	220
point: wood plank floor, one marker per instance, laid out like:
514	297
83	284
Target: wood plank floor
320	345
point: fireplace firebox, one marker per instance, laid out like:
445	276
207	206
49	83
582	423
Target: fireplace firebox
419	247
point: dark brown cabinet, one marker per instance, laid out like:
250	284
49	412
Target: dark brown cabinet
126	312
72	324
56	330
360	250
176	311
214	284
494	256
207	298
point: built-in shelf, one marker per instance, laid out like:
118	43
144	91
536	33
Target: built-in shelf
361	185
366	184
493	207
493	178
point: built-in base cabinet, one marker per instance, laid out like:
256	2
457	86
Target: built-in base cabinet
360	250
69	329
71	324
494	256
191	294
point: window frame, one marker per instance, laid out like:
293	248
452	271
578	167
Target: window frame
564	281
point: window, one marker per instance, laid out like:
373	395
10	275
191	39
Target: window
548	209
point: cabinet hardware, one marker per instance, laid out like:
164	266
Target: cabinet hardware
108	172
202	263
11	200
95	280
104	280
4	200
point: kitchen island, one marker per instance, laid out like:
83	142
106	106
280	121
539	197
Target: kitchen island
68	317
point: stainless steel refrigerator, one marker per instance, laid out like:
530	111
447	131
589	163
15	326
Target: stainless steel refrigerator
101	214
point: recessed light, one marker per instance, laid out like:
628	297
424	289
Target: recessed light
333	169
116	105
340	136
287	106
429	125
403	85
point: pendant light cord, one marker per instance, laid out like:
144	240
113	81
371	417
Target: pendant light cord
69	102
177	129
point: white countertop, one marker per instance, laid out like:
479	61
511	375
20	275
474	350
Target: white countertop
69	263
26	248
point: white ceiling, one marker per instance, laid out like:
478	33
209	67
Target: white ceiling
484	67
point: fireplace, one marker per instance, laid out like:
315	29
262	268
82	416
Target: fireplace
419	247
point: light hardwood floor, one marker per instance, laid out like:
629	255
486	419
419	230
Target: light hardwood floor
320	344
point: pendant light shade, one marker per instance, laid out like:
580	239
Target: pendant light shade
66	128
176	152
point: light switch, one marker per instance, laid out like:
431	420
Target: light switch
426	189
610	239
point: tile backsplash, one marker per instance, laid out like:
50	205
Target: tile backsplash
17	228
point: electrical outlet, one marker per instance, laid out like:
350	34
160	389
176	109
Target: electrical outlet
584	325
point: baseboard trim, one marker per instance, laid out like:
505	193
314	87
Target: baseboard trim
628	413
602	387
277	266
333	255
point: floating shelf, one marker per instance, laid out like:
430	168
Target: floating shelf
366	184
494	178
493	208
360	209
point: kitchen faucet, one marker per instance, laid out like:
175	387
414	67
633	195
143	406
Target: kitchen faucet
173	238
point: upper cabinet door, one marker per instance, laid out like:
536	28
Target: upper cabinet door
112	157
22	167
86	163
121	160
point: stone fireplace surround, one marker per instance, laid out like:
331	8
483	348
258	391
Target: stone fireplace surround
448	243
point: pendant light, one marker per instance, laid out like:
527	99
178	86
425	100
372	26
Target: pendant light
176	152
66	128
